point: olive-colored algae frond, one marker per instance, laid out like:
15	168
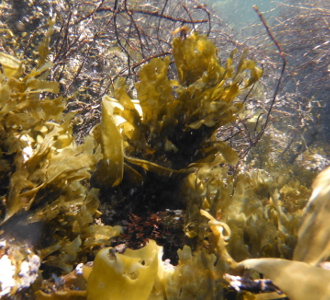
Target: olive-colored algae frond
300	278
255	204
44	174
172	122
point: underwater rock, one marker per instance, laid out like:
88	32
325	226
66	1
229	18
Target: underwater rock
19	267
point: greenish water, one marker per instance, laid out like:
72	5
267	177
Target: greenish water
239	13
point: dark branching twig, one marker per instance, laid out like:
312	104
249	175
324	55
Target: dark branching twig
154	14
282	54
150	58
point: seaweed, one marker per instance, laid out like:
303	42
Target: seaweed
168	137
311	249
170	128
45	200
155	166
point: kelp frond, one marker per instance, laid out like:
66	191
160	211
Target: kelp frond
172	122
